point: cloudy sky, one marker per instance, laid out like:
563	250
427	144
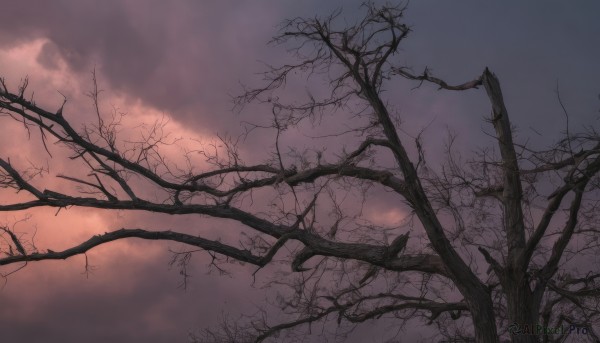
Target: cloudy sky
183	60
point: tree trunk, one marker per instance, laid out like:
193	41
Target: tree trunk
521	309
484	320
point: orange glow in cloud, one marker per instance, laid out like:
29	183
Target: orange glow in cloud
118	268
385	217
59	229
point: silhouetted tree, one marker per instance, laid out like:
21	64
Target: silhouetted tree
497	228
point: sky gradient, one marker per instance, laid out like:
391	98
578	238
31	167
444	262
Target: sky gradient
182	61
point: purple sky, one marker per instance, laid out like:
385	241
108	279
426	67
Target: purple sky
184	59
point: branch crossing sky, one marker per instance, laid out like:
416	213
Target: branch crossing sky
183	60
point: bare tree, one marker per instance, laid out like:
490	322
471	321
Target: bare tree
502	231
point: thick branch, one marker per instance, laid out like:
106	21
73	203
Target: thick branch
565	237
241	255
19	181
512	191
374	254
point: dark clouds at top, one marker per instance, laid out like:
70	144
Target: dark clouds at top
530	46
186	57
181	57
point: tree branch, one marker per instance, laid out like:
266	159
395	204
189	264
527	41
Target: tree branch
208	245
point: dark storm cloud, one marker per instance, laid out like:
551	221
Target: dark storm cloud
529	45
185	57
181	57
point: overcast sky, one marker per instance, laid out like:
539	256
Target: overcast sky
184	59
